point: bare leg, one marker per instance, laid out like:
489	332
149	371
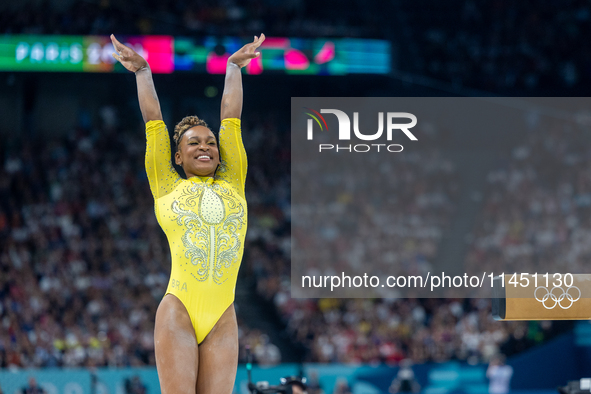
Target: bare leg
218	356
176	349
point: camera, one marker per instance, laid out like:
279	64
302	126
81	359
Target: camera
289	385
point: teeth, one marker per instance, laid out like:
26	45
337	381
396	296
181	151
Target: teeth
201	157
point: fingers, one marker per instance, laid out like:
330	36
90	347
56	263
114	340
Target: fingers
249	49
258	40
261	39
121	49
120	58
116	43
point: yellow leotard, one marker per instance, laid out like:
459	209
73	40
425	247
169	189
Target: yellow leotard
205	221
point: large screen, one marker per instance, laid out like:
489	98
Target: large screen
167	54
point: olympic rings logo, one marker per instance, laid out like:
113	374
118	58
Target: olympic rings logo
557	298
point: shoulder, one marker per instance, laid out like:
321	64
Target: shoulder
230	122
155	125
223	181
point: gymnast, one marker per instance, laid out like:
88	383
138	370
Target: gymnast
204	218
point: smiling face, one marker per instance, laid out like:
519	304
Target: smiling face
198	152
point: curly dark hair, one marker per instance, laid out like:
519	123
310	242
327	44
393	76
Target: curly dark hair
185	124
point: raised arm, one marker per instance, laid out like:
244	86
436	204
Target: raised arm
149	104
232	97
234	164
162	176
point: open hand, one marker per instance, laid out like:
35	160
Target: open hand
127	56
248	52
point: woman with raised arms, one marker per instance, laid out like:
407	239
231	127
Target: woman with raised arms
204	218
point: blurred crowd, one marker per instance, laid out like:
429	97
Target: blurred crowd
228	17
82	263
424	330
536	214
497	45
390	221
383	213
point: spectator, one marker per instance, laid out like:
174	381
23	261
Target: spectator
405	381
314	386
134	386
342	387
499	375
33	388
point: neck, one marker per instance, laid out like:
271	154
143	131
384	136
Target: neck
189	176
